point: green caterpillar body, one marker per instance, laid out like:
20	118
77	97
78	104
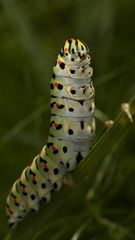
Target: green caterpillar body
72	128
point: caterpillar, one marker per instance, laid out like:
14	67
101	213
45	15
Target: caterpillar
72	130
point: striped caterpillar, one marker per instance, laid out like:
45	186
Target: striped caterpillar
72	128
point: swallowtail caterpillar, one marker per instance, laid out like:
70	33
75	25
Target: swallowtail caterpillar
72	128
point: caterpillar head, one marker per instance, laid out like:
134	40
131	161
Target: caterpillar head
73	60
75	48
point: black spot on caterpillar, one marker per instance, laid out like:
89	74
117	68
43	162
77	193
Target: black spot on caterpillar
71	128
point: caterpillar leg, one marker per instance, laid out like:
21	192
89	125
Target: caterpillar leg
68	180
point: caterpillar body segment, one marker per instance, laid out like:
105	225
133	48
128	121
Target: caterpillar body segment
72	130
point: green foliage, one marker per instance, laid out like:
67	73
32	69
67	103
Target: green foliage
101	202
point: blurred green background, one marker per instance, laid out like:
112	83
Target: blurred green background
31	35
